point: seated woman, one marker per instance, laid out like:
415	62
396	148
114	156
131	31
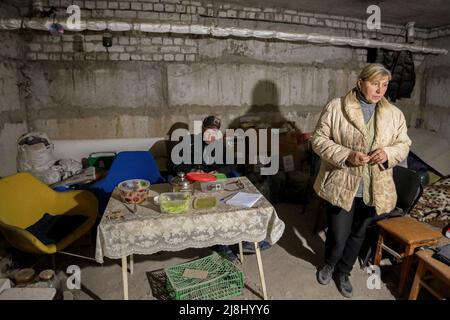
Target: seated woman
210	133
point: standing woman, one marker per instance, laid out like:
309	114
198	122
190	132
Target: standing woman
359	137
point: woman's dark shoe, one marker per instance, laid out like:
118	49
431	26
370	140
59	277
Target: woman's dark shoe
249	247
325	274
343	284
226	252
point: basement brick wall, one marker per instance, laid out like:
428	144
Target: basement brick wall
194	11
146	82
129	46
435	111
12	107
71	87
10	9
137	47
151	47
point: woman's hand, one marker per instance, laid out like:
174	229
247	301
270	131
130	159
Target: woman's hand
378	156
357	158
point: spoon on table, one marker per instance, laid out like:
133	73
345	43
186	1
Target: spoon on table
129	209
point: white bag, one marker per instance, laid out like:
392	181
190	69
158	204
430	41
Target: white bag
34	152
69	167
49	176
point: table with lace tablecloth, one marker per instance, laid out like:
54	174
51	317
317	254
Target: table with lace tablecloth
122	232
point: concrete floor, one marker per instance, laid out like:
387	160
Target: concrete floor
289	267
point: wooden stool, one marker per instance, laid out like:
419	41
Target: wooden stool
438	269
411	234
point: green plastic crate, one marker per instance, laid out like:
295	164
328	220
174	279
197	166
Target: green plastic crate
224	280
101	160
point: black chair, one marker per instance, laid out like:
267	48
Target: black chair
313	161
409	189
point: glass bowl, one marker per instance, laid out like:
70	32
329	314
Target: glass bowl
134	190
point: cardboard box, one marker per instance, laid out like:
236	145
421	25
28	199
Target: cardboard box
292	149
290	152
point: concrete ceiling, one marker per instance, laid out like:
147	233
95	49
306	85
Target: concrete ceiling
426	13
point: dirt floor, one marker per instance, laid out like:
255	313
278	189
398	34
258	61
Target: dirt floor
289	266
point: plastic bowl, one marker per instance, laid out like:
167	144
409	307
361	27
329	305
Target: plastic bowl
174	202
134	190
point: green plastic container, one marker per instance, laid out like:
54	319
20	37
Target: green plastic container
220	176
101	160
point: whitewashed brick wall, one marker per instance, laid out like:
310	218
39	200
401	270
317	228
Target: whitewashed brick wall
146	47
125	47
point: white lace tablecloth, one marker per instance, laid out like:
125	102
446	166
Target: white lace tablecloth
121	232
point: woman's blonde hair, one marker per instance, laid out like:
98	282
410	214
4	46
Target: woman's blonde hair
374	71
